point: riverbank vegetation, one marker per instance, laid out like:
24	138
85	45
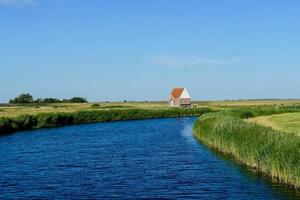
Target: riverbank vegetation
48	120
272	152
12	111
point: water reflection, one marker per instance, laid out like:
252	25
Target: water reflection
187	130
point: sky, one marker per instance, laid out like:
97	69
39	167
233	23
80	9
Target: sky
112	50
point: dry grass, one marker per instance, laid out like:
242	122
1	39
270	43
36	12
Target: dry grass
17	110
263	102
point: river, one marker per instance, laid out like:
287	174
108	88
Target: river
155	158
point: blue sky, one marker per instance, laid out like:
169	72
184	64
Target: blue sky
137	49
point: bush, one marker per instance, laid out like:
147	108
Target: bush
51	100
95	105
28	99
22	98
247	114
76	100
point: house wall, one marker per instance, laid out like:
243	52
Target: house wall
179	102
185	101
174	102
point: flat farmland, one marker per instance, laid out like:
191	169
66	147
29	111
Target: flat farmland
287	122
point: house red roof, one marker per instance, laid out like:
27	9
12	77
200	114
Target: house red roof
176	92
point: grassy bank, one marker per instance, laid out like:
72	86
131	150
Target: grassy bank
288	122
264	149
47	120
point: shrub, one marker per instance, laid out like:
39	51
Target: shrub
247	114
76	100
95	105
22	98
51	100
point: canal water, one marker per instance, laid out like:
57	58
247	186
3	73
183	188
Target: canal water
156	158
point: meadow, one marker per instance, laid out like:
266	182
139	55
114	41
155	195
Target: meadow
250	102
14	110
287	122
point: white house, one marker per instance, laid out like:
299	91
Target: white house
179	97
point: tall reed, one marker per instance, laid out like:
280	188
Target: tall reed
264	149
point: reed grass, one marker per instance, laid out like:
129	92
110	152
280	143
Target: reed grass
272	152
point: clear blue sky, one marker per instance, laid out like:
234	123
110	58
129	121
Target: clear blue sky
138	49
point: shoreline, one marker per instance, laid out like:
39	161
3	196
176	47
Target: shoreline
262	149
59	119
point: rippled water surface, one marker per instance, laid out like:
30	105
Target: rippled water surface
156	158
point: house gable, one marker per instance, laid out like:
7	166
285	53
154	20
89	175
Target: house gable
185	94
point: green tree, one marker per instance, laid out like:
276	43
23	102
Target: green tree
76	100
22	98
51	100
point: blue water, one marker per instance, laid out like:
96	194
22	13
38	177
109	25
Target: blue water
156	158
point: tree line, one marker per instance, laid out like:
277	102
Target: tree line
27	98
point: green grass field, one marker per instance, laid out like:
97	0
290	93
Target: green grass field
288	122
7	110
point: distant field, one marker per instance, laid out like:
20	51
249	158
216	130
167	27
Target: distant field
288	122
7	110
260	102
